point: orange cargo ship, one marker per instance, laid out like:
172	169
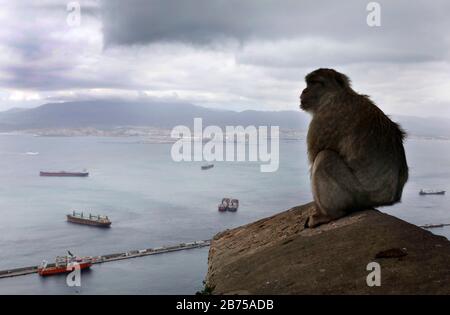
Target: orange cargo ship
64	264
94	220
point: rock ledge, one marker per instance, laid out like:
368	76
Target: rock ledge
276	255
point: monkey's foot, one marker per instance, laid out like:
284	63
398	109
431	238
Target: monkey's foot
315	220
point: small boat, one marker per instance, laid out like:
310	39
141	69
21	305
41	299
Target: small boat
223	206
64	264
94	220
63	174
431	192
234	205
207	167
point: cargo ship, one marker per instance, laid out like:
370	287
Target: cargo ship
64	264
228	204
223	206
234	205
431	192
93	220
64	174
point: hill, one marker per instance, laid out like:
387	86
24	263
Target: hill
107	114
277	255
113	113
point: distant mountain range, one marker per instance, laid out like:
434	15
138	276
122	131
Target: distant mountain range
110	114
107	114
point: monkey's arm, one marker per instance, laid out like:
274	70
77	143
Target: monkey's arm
335	188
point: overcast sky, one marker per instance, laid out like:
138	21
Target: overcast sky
235	54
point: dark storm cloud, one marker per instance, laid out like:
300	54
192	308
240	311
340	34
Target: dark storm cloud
206	21
410	30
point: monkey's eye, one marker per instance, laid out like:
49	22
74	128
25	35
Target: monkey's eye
316	83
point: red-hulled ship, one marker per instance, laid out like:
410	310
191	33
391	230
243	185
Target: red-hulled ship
64	264
94	220
64	174
223	206
228	204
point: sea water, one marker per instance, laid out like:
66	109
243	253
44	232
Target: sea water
154	201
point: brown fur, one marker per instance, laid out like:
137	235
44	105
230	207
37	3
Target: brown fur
356	152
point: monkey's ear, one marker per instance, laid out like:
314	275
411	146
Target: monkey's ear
343	80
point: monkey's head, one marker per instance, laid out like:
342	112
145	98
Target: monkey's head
322	84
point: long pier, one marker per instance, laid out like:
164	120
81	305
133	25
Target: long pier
432	226
114	257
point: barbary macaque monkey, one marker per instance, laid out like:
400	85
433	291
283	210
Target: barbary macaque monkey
355	151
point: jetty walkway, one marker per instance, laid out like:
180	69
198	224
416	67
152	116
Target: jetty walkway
114	257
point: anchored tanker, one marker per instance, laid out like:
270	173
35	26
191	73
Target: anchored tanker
431	192
207	167
64	264
95	220
64	174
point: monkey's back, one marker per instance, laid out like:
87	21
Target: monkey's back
367	140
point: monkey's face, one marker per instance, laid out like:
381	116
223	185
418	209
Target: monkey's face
321	85
311	95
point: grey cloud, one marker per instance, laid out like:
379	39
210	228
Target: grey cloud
226	53
45	57
46	78
206	21
323	53
410	32
88	7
